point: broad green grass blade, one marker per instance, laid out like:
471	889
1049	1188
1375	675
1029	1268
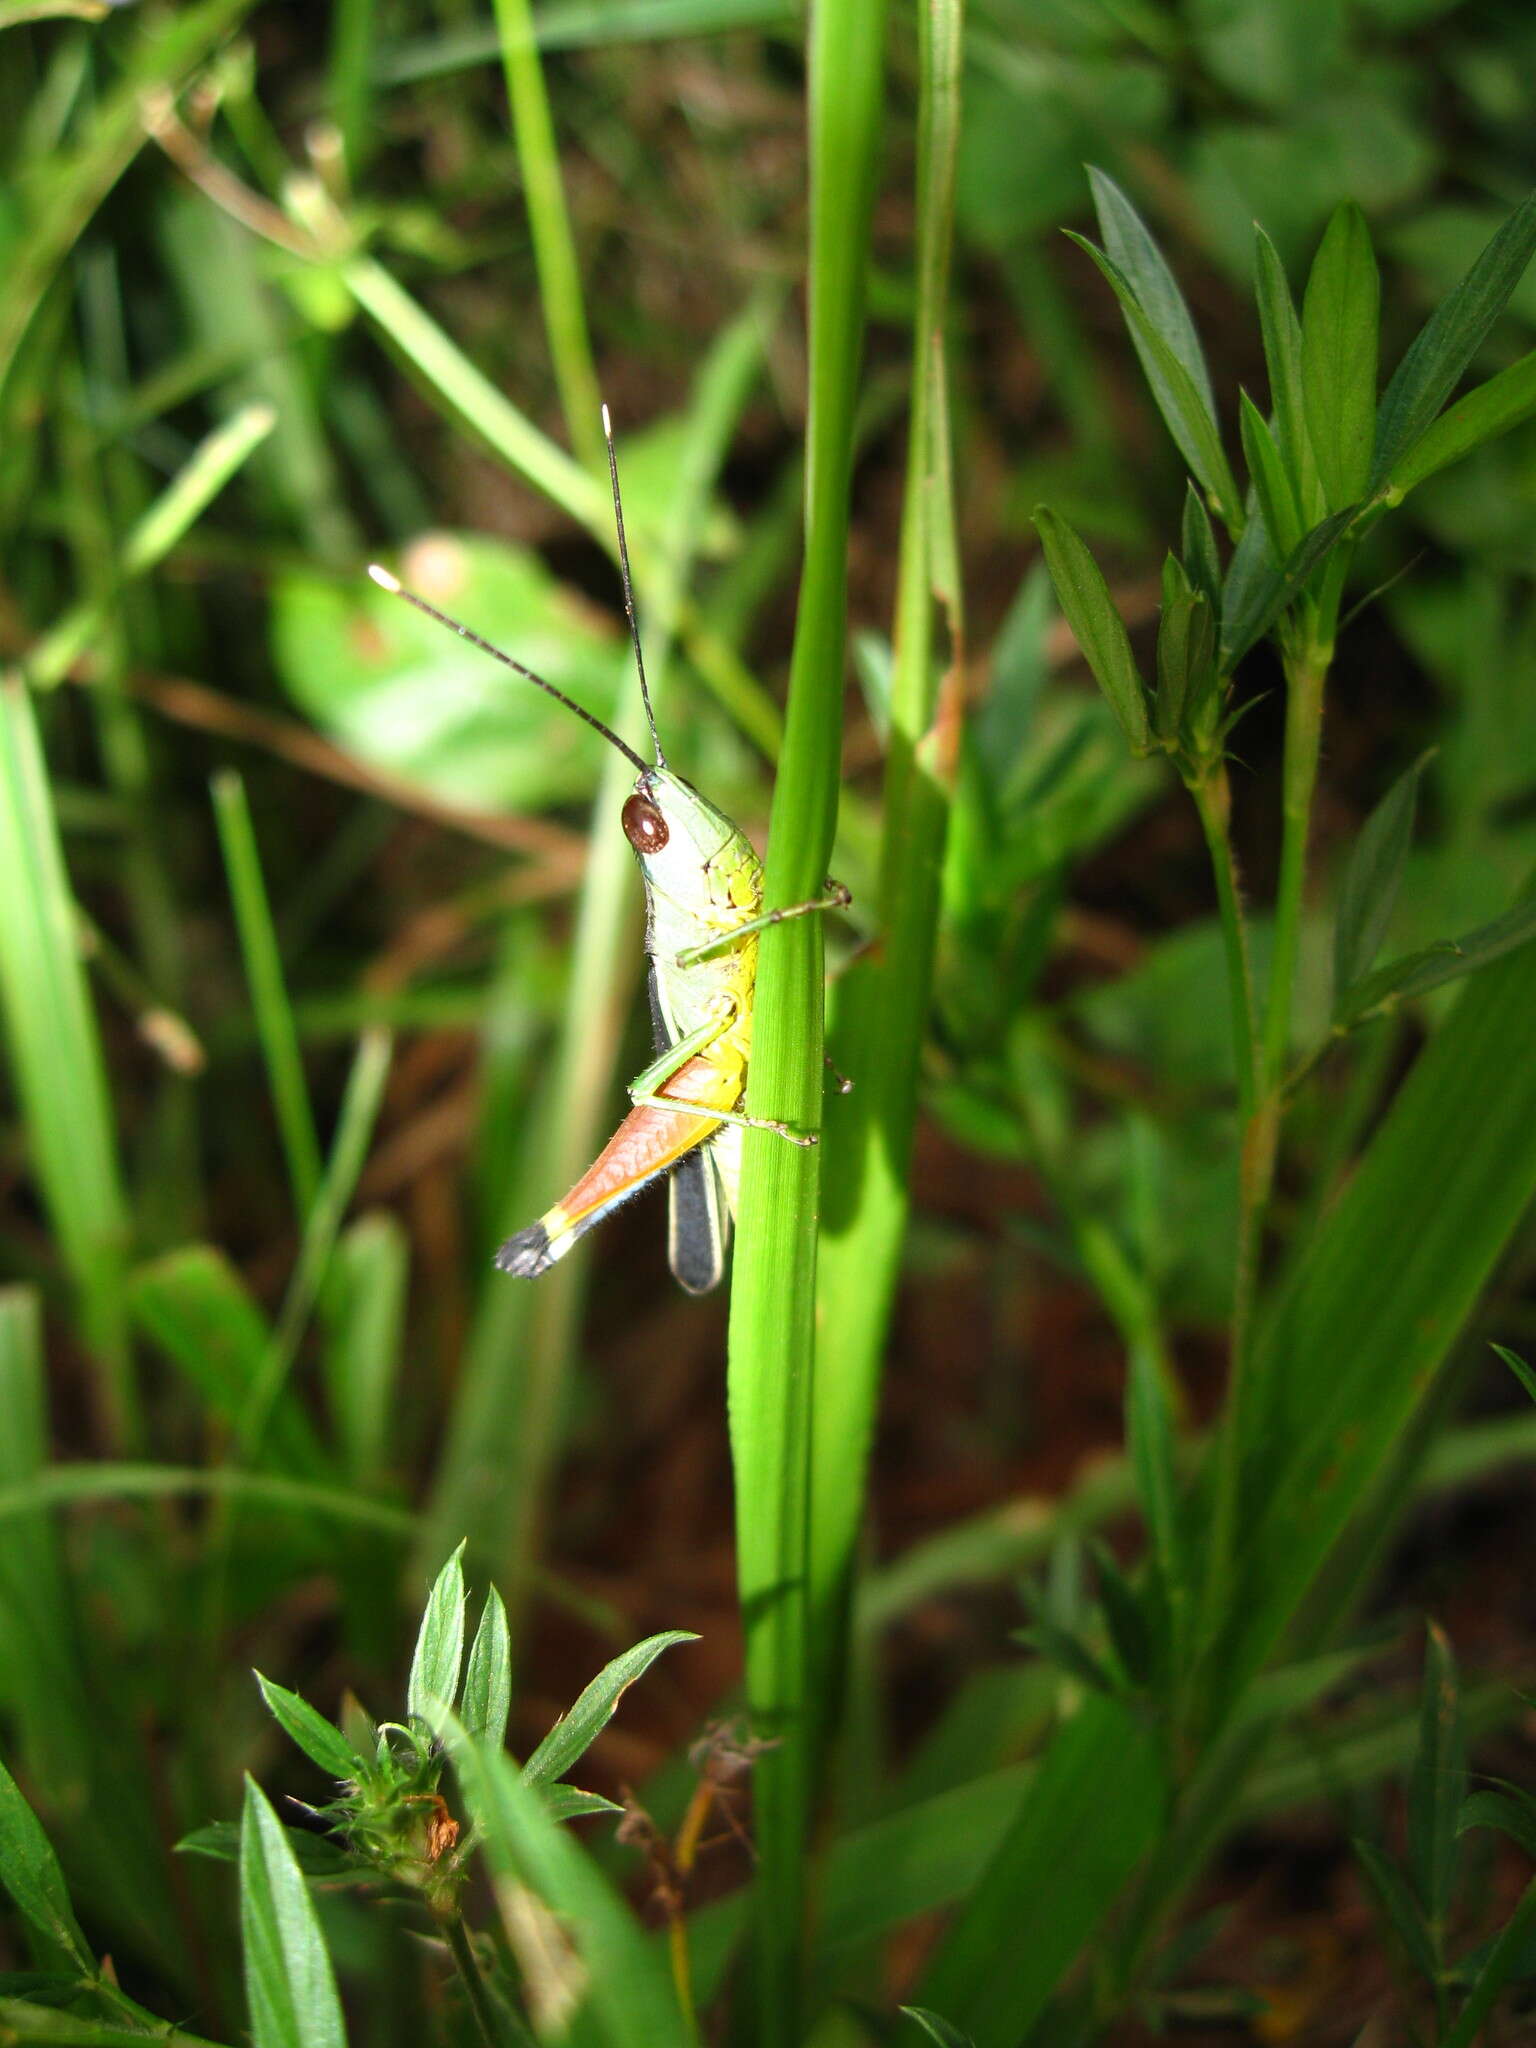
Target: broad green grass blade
365	1332
618	1975
549	222
64	1485
503	1433
56	1060
772	1329
1086	1819
289	1984
195	1306
269	993
882	1002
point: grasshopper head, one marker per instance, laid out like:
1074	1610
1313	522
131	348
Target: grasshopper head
673	830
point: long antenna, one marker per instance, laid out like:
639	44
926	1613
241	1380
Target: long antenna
397	589
629	595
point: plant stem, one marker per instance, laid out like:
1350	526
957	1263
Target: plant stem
1304	678
554	251
1212	793
456	1934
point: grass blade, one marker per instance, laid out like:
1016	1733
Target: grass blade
772	1328
365	1330
56	1058
1372	877
882	1003
275	1026
549	222
30	1872
1090	611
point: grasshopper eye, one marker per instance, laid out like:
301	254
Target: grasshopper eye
644	826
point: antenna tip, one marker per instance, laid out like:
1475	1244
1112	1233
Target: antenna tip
383	579
607	423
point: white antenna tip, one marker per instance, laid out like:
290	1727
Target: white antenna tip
383	579
607	423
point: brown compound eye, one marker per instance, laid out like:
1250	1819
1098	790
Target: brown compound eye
644	826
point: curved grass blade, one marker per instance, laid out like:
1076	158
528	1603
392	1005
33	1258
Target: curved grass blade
288	1979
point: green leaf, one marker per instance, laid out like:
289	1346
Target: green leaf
1253	605
1070	1654
1438	356
618	1973
1129	243
322	1743
1153	1451
1436	1787
1281	331
30	1872
1340	339
569	1802
365	1326
1130	1631
1511	1811
488	1678
1282	514
1491	409
1096	625
1186	411
568	1739
1401	1908
1415	974
439	1652
289	1985
1202	564
1186	651
937	2029
1503	1960
1372	877
1517	1365
20	2021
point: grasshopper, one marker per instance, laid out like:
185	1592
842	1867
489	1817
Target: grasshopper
703	913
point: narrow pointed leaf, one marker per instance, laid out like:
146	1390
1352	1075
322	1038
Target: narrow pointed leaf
1438	357
1340	339
1266	468
1153	1451
1400	1906
1250	610
320	1742
30	1872
937	2029
1372	877
1186	410
1524	1373
1489	410
1281	332
1129	243
1097	627
1502	1962
488	1679
569	1738
1513	1813
1202	564
569	1802
439	1653
1437	1786
1402	981
289	1985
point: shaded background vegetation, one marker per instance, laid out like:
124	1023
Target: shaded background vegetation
423	831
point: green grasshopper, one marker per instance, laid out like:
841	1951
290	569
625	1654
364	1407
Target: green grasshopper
704	911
